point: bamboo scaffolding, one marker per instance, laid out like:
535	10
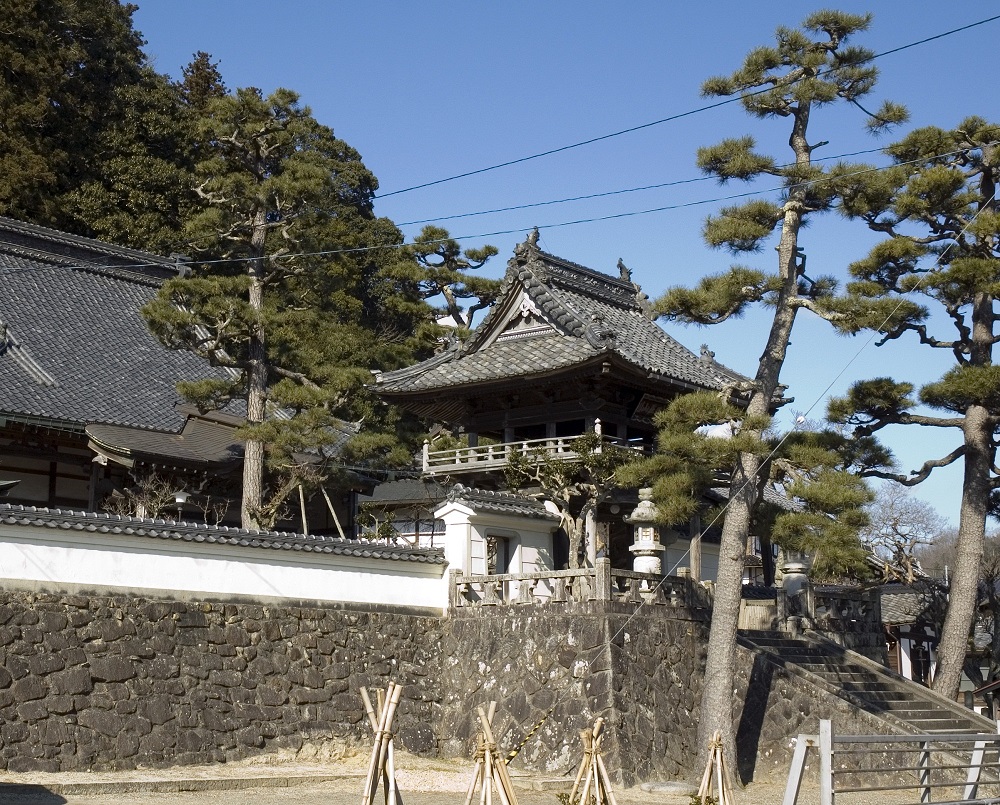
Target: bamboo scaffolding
491	769
382	764
592	773
715	780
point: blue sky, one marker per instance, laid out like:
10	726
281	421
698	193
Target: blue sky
432	89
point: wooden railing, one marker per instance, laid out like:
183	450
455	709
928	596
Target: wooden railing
484	458
557	587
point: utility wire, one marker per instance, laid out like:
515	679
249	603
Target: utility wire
515	230
677	116
611	192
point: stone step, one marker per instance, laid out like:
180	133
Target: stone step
880	692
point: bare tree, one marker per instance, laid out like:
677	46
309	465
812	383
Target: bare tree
900	530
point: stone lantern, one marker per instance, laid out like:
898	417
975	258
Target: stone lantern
647	548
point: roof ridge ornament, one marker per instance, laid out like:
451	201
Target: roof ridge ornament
530	245
597	335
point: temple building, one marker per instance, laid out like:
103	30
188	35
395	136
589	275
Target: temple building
565	351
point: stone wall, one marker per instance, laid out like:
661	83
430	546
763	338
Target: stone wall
112	682
116	682
641	673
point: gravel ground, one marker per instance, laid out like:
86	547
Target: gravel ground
340	781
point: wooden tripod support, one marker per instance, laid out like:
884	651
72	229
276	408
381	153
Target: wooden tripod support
719	780
382	765
491	769
593	773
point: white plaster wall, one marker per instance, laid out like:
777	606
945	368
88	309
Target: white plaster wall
57	556
529	540
678	555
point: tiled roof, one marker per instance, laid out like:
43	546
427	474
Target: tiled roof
201	441
408	491
220	535
73	344
906	604
483	500
590	316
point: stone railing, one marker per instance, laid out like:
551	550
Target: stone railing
848	611
557	587
487	457
850	617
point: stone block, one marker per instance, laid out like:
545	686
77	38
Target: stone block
42	664
418	739
29	688
16	666
309	695
103	721
111	669
32	711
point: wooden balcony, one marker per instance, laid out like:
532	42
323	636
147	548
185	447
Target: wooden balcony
491	457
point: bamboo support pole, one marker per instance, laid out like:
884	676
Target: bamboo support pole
392	702
505	788
372	776
586	739
333	511
388	770
477	771
302	509
607	781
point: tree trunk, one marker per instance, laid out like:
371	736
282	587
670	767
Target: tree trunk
257	372
964	592
744	490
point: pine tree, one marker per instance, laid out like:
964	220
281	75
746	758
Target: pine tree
937	207
446	275
807	69
297	287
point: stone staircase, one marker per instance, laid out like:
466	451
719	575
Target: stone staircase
908	706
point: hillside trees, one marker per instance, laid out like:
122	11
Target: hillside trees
93	140
805	70
935	279
298	288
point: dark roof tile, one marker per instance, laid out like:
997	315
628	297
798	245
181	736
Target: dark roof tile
219	535
77	349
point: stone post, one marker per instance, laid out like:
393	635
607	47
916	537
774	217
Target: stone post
602	579
647	548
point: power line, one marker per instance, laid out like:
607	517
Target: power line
611	192
514	230
672	118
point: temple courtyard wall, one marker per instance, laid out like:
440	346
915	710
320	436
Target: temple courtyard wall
91	681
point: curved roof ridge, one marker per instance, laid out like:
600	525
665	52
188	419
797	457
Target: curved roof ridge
102	522
80	242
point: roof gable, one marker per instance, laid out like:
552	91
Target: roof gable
552	315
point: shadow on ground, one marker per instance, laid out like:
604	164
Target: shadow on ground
29	795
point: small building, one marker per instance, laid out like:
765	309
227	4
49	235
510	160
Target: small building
565	351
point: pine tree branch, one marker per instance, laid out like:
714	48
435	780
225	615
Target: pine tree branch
821	311
917	476
921	331
298	377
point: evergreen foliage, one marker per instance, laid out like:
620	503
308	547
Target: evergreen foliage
446	275
935	278
300	327
92	142
805	70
